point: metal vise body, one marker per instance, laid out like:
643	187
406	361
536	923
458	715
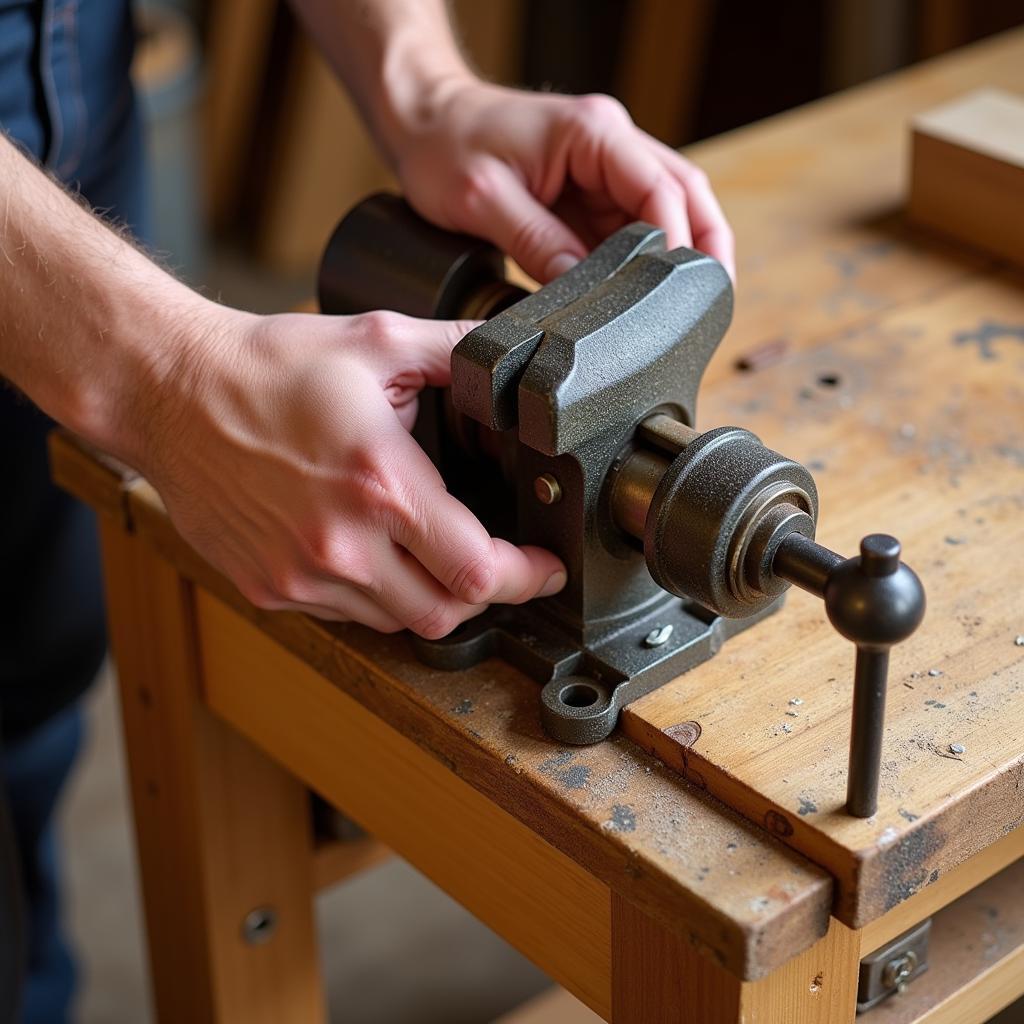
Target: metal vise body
569	424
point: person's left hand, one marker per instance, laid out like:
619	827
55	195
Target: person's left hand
546	177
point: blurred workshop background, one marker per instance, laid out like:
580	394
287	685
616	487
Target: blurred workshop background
255	154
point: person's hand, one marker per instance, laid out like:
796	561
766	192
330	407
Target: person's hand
280	446
546	177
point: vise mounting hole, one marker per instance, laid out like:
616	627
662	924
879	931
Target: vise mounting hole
579	695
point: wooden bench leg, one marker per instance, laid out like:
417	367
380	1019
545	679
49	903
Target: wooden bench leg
223	833
660	978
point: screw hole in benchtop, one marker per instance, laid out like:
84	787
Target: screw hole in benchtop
829	380
579	695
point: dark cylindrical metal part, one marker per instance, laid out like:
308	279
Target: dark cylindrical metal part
633	489
704	517
384	256
666	434
805	563
868	727
875	601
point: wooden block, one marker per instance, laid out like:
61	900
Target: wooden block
967	171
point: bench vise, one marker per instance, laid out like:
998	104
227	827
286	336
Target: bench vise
569	424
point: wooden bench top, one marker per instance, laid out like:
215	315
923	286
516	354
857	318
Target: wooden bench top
921	434
901	385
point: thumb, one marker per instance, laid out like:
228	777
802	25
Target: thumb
424	347
511	218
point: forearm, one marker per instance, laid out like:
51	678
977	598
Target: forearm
396	57
90	326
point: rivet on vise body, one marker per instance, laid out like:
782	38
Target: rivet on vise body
547	489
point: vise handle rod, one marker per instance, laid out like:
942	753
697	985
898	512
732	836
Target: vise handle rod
876	601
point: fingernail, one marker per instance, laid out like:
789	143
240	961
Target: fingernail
554	584
559	264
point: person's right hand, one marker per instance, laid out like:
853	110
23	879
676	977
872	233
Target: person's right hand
281	448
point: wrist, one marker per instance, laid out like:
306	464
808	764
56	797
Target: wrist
414	88
159	353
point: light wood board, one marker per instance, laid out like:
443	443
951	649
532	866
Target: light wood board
967	172
902	387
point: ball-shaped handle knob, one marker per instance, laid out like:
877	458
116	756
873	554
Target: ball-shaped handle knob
874	599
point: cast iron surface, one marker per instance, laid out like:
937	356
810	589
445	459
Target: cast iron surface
588	686
559	393
558	382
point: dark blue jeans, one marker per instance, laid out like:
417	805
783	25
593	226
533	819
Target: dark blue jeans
66	100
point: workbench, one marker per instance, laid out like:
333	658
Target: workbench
697	866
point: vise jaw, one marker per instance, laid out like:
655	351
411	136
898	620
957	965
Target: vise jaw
569	373
569	424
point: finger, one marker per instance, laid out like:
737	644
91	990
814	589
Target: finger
407	413
408	349
711	231
352	608
615	160
593	216
502	209
408	593
453	546
326	598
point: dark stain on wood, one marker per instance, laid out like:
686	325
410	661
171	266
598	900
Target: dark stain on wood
778	823
987	332
623	819
906	870
572	776
807	806
761	356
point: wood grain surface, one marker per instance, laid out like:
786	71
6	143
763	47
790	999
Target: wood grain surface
221	829
659	979
900	383
693	864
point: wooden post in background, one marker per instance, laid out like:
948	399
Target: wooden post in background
222	832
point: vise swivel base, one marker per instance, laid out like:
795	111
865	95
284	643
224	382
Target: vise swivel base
569	425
